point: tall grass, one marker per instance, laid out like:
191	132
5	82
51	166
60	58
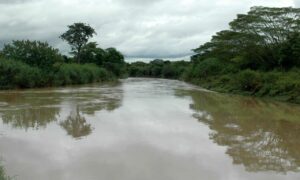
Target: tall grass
79	74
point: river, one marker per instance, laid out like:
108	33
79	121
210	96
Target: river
146	129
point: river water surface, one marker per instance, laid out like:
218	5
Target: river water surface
146	129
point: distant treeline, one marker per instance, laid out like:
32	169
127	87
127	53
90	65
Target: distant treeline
158	69
259	55
30	64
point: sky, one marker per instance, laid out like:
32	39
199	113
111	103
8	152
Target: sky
144	29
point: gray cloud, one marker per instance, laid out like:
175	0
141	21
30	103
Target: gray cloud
138	28
13	1
137	2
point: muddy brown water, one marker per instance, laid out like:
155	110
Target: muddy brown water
145	129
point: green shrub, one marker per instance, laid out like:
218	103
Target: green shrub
114	62
188	74
288	82
225	79
249	80
34	53
15	74
208	67
79	74
229	68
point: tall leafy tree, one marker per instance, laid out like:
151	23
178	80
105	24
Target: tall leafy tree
273	27
78	36
254	39
272	24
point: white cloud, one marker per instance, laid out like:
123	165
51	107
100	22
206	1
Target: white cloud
139	28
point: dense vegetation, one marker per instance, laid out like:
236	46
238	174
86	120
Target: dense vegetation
30	64
259	55
158	69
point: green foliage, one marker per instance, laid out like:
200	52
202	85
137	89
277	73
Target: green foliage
249	80
276	84
90	53
158	69
77	36
138	69
34	53
110	59
114	62
290	52
30	64
80	74
15	74
258	55
208	67
265	39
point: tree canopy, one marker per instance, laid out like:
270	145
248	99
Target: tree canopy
78	36
33	53
255	39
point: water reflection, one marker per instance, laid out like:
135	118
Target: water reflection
140	126
24	110
35	109
259	135
100	102
76	125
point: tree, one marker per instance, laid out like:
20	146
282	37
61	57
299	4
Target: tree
77	37
90	53
33	53
114	62
272	24
227	44
254	39
290	52
273	27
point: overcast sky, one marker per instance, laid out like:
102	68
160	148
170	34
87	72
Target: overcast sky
138	28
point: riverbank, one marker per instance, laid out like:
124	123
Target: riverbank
18	75
280	86
209	74
34	64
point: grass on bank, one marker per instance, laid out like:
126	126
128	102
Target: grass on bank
16	74
280	85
